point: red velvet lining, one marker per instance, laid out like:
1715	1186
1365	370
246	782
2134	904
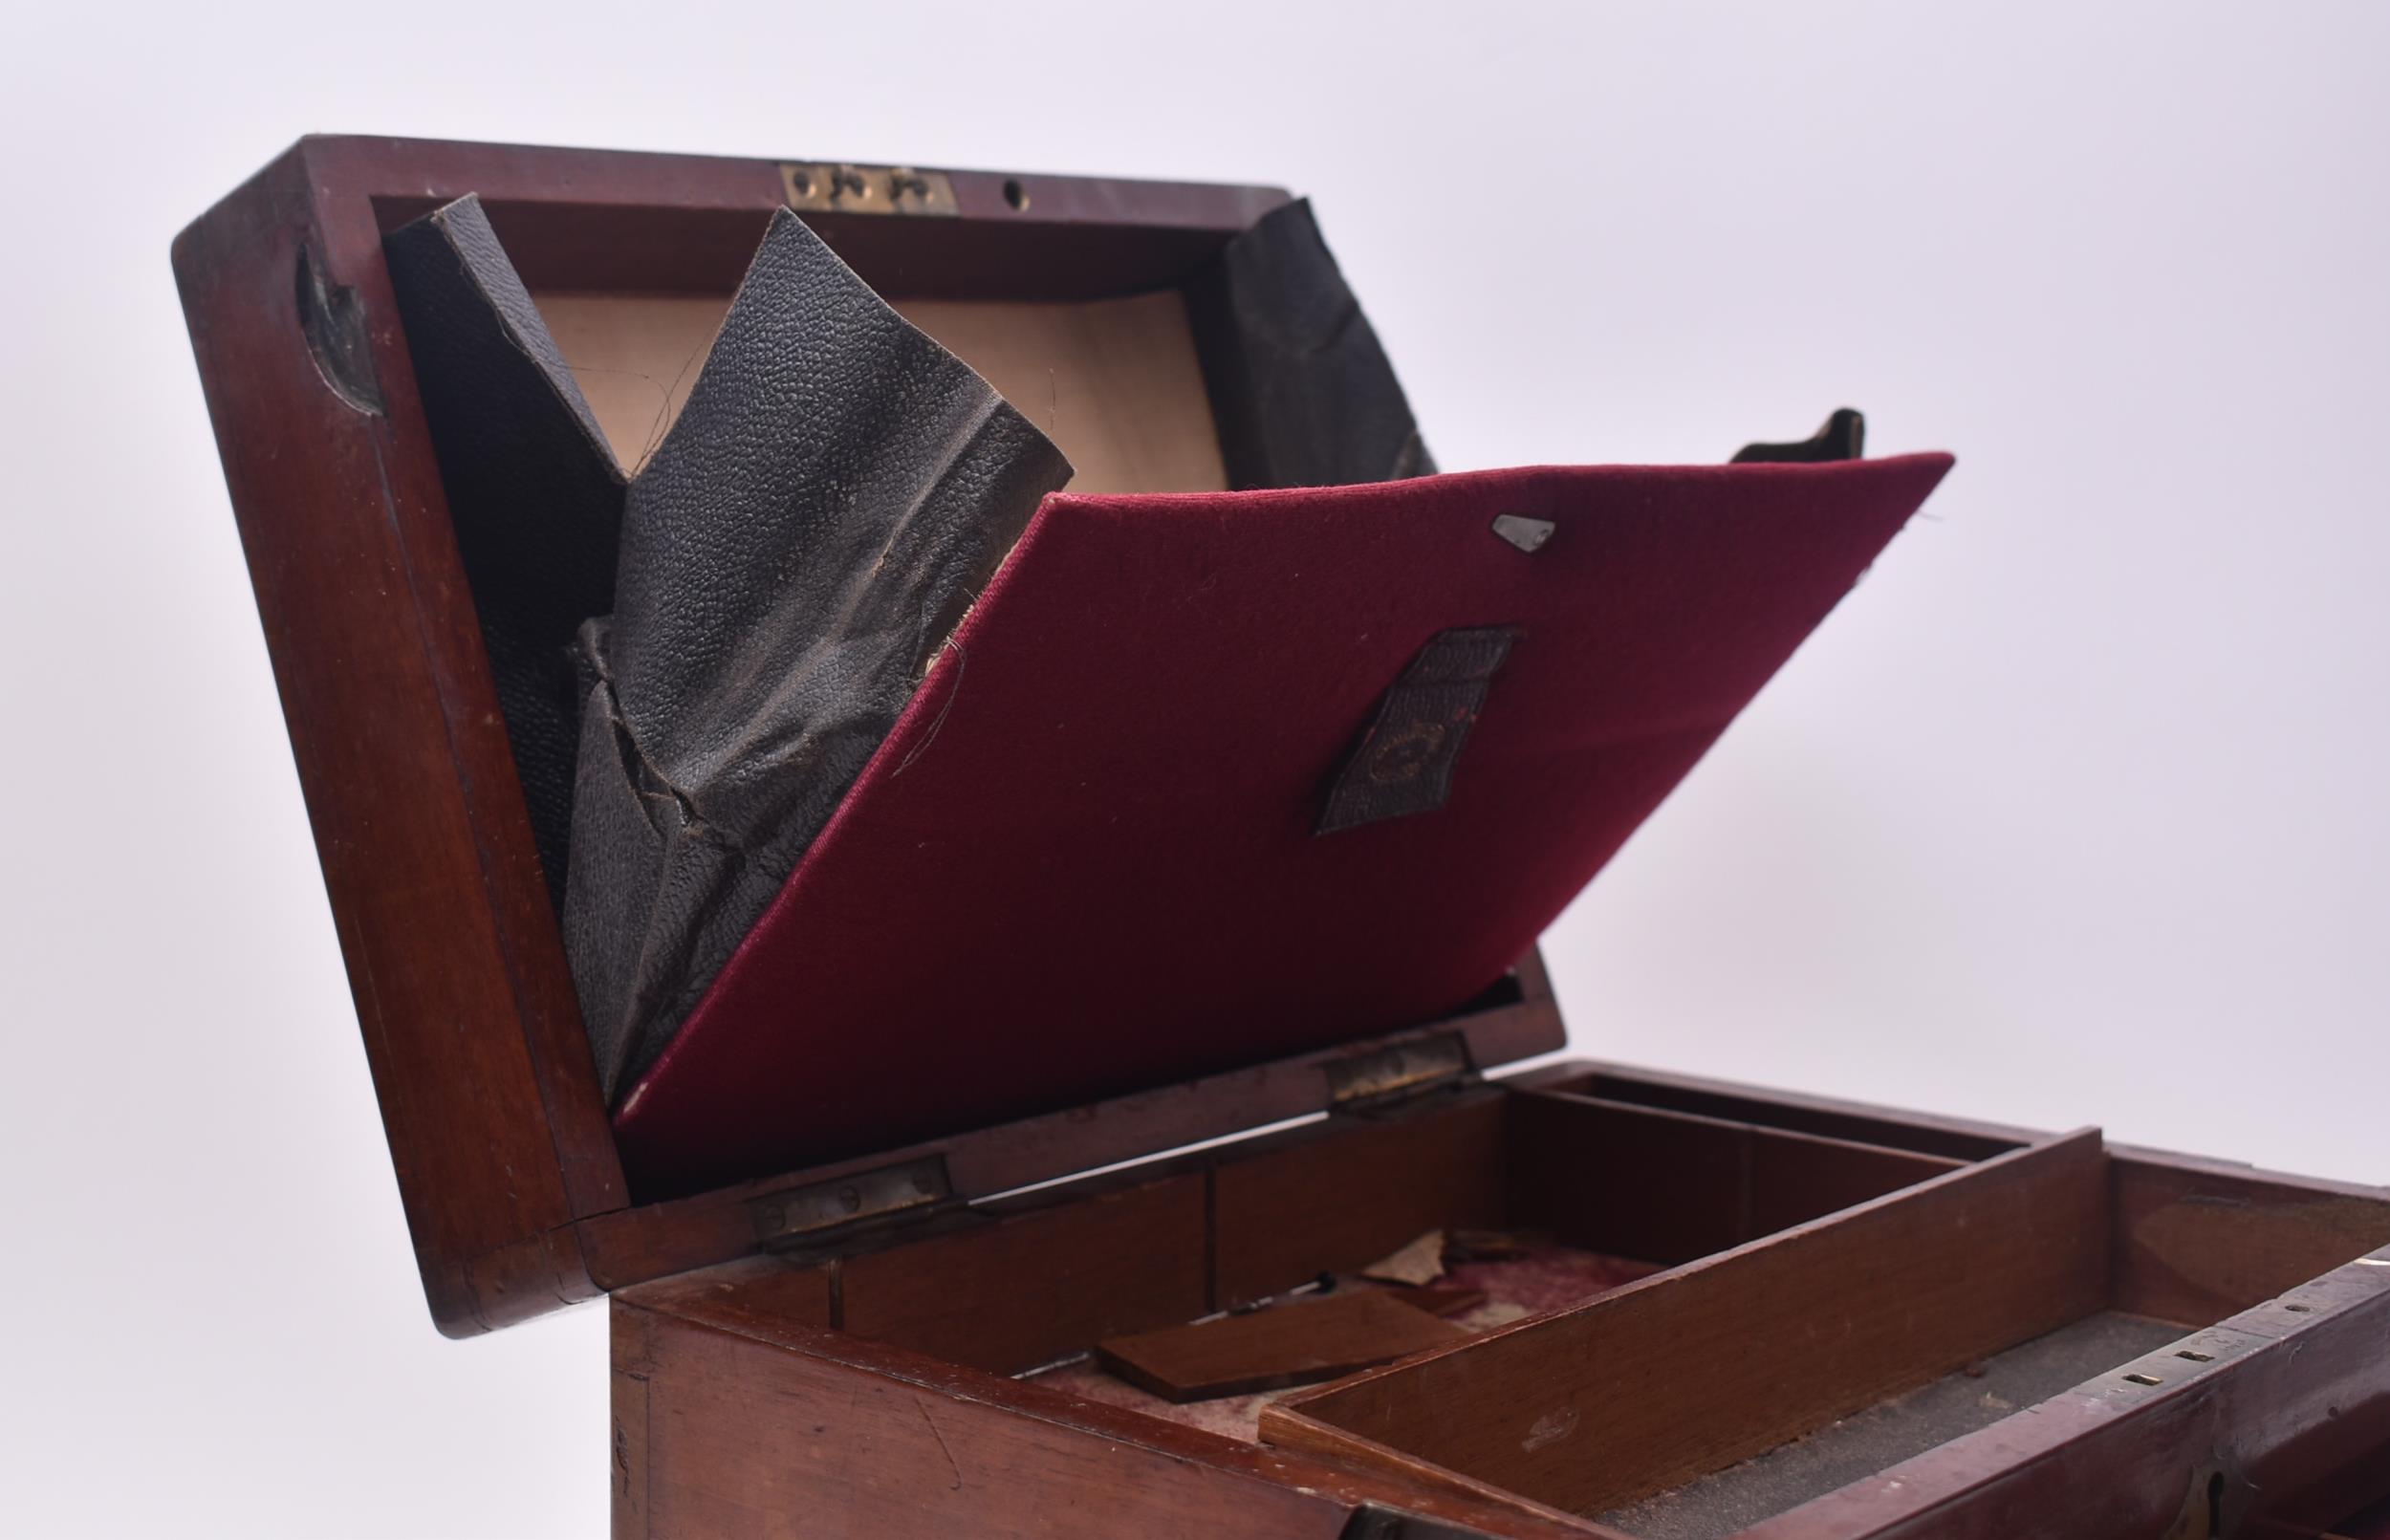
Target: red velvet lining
1083	862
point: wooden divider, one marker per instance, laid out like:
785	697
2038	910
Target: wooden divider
1670	1186
1924	1133
1017	1290
1291	1208
1691	1371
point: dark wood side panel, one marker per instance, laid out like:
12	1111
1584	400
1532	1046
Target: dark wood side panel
1690	1371
1010	1292
1657	1186
2283	1428
2200	1240
790	1432
1345	1196
1667	1187
757	1295
361	598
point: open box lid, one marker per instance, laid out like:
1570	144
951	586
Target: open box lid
509	1165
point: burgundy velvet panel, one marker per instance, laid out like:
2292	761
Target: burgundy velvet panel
1084	862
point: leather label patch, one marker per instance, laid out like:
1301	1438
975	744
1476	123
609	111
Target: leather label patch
1403	761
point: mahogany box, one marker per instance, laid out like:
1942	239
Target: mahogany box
1686	1309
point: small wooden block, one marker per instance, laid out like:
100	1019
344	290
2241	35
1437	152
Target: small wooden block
1295	1344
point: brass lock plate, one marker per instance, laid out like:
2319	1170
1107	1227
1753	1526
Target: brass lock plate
818	188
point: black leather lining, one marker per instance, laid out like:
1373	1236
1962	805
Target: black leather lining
747	618
533	490
837	490
1302	393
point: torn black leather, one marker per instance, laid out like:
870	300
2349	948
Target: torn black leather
836	491
1301	391
533	490
747	618
695	663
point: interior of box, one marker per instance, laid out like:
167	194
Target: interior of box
1564	1198
1715	1308
1697	1401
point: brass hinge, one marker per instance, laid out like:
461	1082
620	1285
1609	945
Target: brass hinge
803	1215
1406	1069
867	189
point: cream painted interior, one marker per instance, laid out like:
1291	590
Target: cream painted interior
1114	381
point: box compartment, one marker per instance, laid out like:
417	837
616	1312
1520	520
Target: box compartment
1609	1192
1704	1400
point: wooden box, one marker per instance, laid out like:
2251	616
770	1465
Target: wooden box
1790	1318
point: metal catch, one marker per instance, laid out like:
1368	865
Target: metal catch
867	189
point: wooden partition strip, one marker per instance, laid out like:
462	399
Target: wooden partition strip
1924	1133
1668	1186
1796	1178
1689	1372
1343	1194
2199	1239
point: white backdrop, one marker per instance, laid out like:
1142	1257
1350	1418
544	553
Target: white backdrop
2074	814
